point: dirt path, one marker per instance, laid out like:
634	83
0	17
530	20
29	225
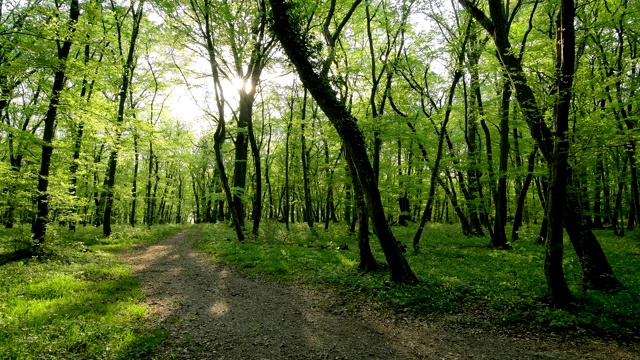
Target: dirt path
211	312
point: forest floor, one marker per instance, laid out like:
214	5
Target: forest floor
209	311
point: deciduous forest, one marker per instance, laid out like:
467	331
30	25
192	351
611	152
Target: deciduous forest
440	156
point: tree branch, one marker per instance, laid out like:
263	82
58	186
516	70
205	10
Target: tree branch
479	15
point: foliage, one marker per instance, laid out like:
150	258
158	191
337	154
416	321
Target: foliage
392	67
458	275
77	301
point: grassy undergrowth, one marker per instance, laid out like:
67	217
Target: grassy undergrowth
457	275
77	301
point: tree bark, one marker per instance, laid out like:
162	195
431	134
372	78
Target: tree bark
257	197
287	197
473	108
367	263
240	163
617	208
267	179
97	192
180	198
499	238
147	214
218	139
565	57
86	91
403	201
453	198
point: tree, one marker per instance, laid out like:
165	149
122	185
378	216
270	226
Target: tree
442	135
565	58
597	273
64	39
220	134
299	52
127	73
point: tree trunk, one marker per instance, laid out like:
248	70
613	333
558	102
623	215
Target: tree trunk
474	174
297	51
617	208
606	190
403	201
86	91
375	79
329	205
635	194
517	221
367	261
565	57
453	198
220	134
39	227
154	195
597	203
266	174
287	201
435	170
147	215
196	198
305	166
499	238
134	185
241	153
97	192
597	274
180	199
127	74
516	150
257	197
218	139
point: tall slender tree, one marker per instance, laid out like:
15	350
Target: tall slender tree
128	66
287	27
63	43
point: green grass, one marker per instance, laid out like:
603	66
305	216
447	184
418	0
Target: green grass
457	275
77	301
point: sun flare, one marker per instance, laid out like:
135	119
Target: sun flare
240	84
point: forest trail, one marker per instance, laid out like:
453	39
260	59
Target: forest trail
211	312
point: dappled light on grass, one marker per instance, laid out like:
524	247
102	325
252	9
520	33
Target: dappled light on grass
76	302
457	275
348	262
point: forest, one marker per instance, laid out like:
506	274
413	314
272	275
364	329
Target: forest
509	124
